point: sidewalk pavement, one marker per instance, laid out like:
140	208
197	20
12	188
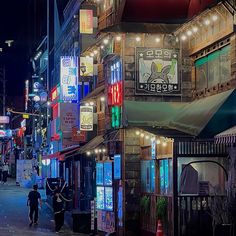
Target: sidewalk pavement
14	214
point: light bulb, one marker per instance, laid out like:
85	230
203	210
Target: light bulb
138	39
158	40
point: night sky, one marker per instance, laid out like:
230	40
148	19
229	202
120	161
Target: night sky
23	21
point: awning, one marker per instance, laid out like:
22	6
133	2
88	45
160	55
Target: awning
207	116
94	94
61	155
92	144
204	117
227	136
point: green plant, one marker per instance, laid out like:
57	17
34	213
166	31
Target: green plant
161	208
145	204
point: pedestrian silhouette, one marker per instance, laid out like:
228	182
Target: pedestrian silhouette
58	207
34	199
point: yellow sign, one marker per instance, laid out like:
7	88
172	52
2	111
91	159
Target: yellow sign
86	66
86	21
25	116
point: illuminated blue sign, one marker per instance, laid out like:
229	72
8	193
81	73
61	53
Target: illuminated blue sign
69	78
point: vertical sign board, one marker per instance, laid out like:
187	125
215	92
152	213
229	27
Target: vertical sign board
157	71
117	166
69	78
86	118
26	94
86	21
153	149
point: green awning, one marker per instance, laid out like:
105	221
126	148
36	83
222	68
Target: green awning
151	113
204	117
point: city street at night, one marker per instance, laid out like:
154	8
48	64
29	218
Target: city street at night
118	117
14	214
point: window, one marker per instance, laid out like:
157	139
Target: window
165	170
213	69
148	176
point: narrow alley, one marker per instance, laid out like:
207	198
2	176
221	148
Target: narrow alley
14	214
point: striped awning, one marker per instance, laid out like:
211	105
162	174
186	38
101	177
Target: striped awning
227	136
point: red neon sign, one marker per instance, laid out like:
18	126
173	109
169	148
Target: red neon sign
115	94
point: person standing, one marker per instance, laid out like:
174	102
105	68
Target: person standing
58	207
5	172
34	199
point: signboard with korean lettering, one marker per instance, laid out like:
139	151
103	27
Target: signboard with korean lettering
69	78
157	71
86	118
86	21
86	66
68	116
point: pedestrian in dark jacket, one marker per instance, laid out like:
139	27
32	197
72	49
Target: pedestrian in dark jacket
5	172
58	207
34	199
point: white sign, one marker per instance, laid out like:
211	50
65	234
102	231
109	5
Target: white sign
4	119
69	78
86	118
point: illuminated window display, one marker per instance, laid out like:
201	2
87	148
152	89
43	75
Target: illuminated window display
99	173
100	198
108	173
108	198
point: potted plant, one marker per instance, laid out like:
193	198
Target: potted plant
145	204
161	211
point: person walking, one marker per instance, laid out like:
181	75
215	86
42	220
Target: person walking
58	207
34	199
5	172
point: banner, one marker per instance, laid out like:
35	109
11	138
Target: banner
86	118
86	21
86	66
157	71
69	78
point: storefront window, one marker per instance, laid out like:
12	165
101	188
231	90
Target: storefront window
148	176
213	69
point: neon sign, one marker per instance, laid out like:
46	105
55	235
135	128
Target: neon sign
115	94
69	78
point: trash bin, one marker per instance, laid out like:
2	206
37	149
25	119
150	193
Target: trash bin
81	222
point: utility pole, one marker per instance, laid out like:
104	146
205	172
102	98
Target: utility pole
3	95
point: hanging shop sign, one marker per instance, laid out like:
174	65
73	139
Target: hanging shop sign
86	118
86	21
86	66
157	71
115	94
117	166
26	94
4	119
115	117
68	116
69	78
